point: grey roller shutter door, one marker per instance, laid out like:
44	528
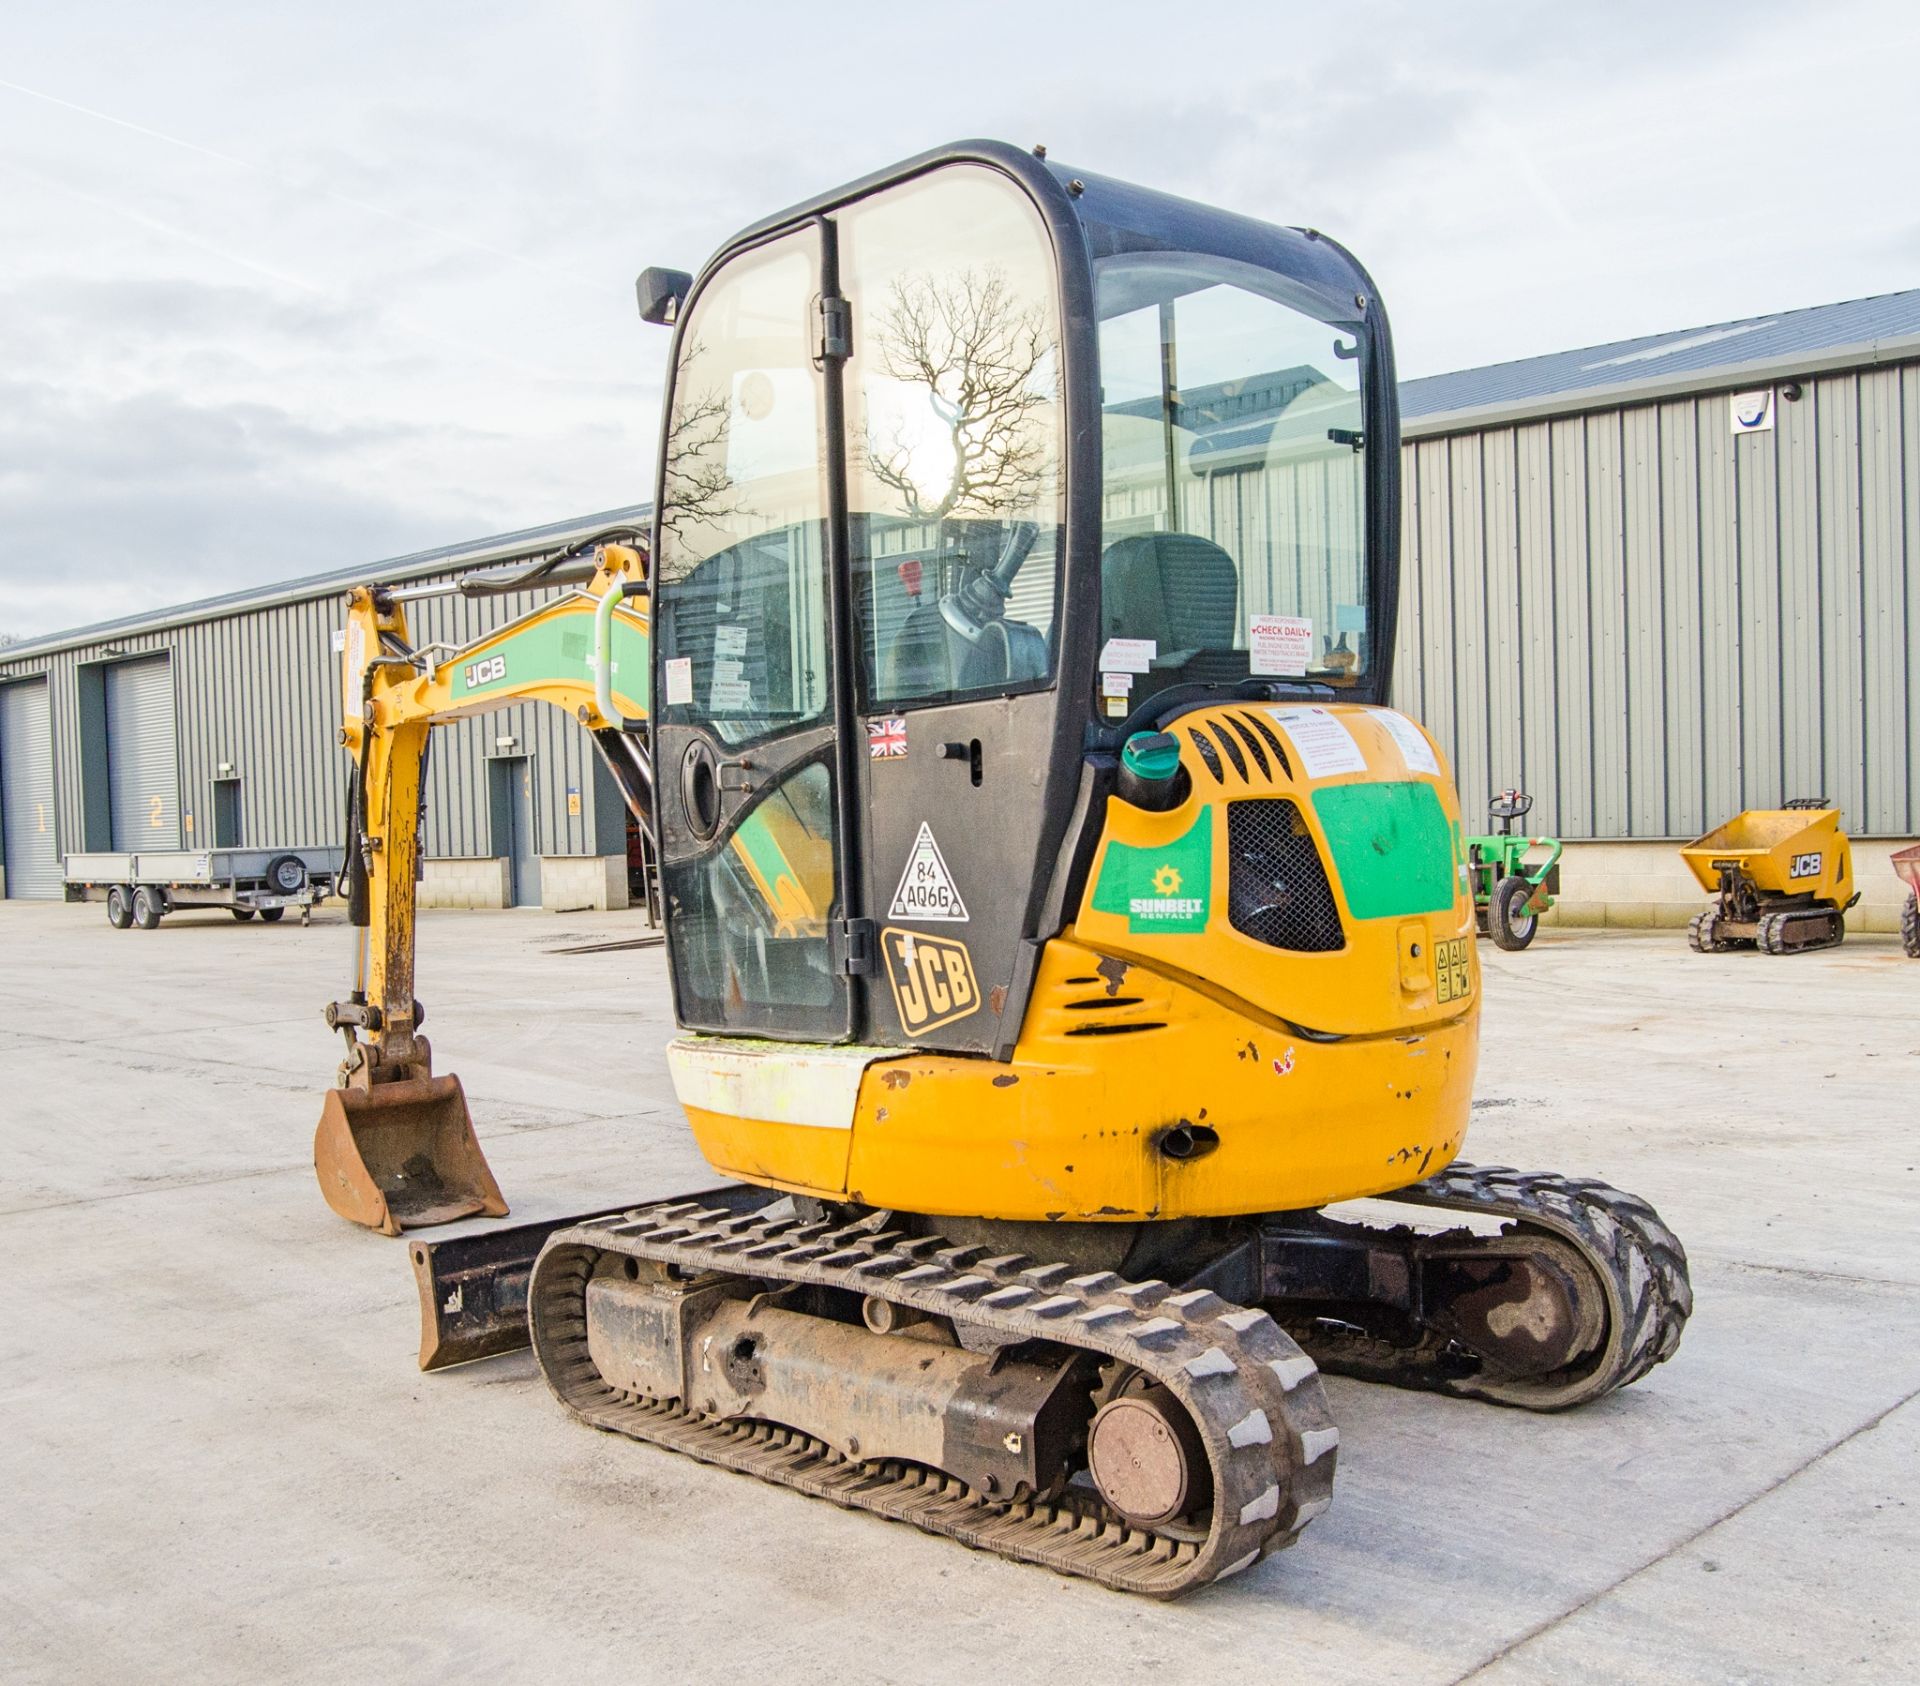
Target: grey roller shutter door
143	770
26	793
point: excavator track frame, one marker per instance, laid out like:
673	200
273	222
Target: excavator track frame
1253	1396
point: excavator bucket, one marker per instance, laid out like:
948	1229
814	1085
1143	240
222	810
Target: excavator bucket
403	1156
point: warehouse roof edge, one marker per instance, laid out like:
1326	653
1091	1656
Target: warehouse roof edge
468	553
1856	333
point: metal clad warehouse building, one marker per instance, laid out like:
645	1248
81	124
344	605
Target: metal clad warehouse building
214	725
1660	581
1652	582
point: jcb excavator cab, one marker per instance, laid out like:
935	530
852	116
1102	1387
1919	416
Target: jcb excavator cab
971	471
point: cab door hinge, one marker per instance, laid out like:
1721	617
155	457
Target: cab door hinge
836	330
853	946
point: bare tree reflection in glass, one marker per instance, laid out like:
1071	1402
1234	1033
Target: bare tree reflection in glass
982	361
696	488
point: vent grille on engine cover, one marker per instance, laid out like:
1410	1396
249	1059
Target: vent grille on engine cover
1277	889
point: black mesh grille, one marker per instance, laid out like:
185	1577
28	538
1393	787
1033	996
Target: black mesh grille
1277	889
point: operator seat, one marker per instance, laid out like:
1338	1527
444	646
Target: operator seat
927	656
1183	592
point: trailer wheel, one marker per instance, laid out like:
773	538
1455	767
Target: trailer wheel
286	875
1508	920
119	908
273	915
147	908
1910	925
243	914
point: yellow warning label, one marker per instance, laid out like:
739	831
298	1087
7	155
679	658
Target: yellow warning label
932	979
1452	976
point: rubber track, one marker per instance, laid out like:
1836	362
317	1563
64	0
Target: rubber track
1255	1396
1640	1263
1776	931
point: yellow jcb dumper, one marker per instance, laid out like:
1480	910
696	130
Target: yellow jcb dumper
1781	880
1059	922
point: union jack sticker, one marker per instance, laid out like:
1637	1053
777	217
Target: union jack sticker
887	739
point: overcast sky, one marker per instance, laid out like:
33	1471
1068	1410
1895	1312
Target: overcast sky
285	289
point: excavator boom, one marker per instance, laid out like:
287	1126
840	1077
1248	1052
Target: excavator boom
396	1148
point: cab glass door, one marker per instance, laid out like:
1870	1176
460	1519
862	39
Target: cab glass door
956	477
743	680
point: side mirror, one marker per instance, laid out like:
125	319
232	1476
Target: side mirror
661	293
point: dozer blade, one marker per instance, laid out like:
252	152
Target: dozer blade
403	1156
473	1286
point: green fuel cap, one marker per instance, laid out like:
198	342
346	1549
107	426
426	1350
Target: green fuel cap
1151	755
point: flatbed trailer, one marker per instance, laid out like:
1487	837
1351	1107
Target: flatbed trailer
141	887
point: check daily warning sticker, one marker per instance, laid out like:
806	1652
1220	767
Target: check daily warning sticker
1166	889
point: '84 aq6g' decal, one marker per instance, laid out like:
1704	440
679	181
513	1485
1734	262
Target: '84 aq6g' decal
932	979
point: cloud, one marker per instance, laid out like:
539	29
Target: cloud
161	500
361	279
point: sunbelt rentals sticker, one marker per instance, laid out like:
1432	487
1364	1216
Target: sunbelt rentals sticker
1167	889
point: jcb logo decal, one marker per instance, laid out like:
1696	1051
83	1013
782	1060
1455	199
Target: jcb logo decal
1804	866
932	979
485	672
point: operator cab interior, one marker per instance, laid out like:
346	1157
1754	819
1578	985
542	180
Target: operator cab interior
1233	493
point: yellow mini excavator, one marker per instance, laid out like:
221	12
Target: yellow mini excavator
1066	939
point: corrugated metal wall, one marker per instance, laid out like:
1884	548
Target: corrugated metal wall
1651	623
259	690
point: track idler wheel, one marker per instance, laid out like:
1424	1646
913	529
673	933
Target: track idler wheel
1146	1457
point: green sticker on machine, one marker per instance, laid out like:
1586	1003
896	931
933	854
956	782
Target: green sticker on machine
1167	889
557	650
1392	846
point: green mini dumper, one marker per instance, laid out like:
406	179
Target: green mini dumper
1510	891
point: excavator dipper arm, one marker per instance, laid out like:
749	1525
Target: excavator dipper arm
395	1148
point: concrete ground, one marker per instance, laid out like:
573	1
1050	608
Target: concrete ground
218	1462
